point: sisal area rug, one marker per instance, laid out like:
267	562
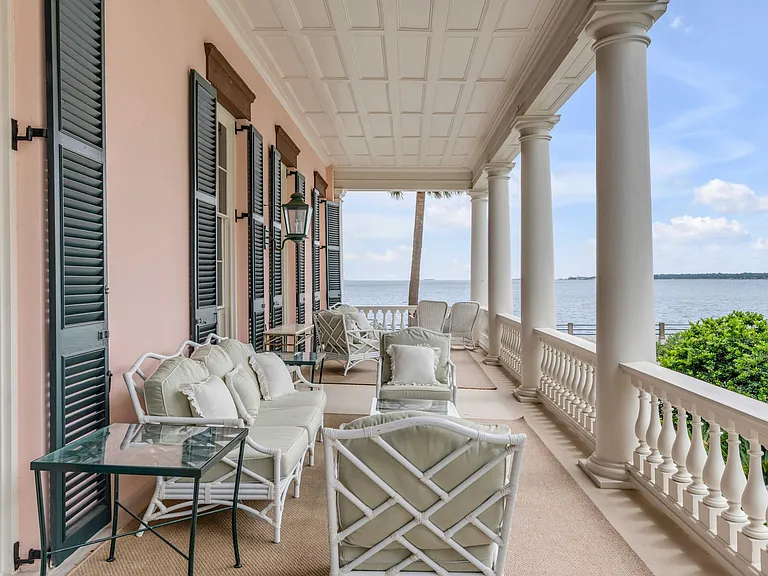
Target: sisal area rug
557	531
469	372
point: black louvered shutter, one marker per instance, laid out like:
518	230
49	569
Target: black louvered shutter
203	222
79	352
301	282
276	238
256	233
333	252
315	250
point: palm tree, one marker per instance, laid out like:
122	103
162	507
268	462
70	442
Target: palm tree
418	237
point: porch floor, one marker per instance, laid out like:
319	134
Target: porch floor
563	524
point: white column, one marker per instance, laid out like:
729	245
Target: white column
625	314
537	258
479	247
499	253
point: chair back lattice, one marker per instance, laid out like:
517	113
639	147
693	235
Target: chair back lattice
332	333
423	486
430	314
416	336
462	318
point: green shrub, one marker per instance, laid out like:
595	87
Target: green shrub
730	352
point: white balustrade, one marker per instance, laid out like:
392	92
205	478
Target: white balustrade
568	378
483	328
684	465
510	352
388	317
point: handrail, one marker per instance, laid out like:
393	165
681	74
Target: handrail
726	496
510	319
568	378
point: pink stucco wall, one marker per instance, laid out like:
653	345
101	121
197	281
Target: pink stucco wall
150	47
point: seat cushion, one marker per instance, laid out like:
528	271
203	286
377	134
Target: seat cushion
424	446
419	391
291	440
308	417
214	358
315	398
161	390
393	555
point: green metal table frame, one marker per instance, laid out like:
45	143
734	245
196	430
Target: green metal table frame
189	555
292	359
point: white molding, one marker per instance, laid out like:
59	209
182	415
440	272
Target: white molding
402	178
230	230
230	23
8	303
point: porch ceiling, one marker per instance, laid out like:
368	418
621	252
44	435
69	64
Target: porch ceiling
389	86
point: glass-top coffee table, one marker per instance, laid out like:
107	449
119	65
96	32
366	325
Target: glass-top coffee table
145	450
384	405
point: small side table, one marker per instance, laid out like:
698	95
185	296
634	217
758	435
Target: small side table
306	358
145	450
287	337
385	405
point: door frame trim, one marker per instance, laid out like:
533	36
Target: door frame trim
8	300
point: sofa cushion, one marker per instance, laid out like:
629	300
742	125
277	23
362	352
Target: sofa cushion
316	398
308	417
292	441
419	391
239	353
210	398
161	390
244	392
274	377
413	337
214	358
424	446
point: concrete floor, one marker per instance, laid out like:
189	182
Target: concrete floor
655	538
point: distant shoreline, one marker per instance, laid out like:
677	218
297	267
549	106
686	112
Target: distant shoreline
703	276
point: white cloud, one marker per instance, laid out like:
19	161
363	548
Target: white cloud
761	244
689	229
679	24
730	198
390	254
448	212
351	256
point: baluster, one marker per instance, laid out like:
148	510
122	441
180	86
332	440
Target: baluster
572	372
547	378
680	449
554	371
544	368
697	456
652	436
586	408
565	367
713	502
592	399
578	409
755	498
666	442
562	369
734	481
641	428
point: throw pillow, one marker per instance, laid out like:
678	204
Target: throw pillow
245	394
210	399
273	375
214	358
413	364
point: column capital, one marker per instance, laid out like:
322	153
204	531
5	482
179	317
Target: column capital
617	20
535	126
478	194
498	169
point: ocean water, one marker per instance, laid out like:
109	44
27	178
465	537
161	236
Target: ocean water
677	301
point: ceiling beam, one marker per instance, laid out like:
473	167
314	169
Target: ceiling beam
402	179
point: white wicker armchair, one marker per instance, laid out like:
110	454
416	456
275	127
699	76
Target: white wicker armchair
269	479
420	495
430	314
461	323
341	340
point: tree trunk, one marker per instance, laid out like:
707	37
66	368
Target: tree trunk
418	239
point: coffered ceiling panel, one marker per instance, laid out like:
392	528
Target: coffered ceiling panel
403	83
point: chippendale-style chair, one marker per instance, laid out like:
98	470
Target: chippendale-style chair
415	494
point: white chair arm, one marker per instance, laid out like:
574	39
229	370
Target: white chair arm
183	421
301	380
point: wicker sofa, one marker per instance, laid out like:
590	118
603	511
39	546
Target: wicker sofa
283	433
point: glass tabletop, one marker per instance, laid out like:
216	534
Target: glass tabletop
145	449
304	358
384	405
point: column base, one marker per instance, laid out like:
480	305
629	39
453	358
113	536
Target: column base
491	360
527	395
607	476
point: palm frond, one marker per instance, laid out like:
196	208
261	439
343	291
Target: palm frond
444	193
396	194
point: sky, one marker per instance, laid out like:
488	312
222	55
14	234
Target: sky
707	86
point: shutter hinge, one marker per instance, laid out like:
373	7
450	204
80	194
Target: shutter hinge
29	135
241	215
106	289
103	335
32	555
109	381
